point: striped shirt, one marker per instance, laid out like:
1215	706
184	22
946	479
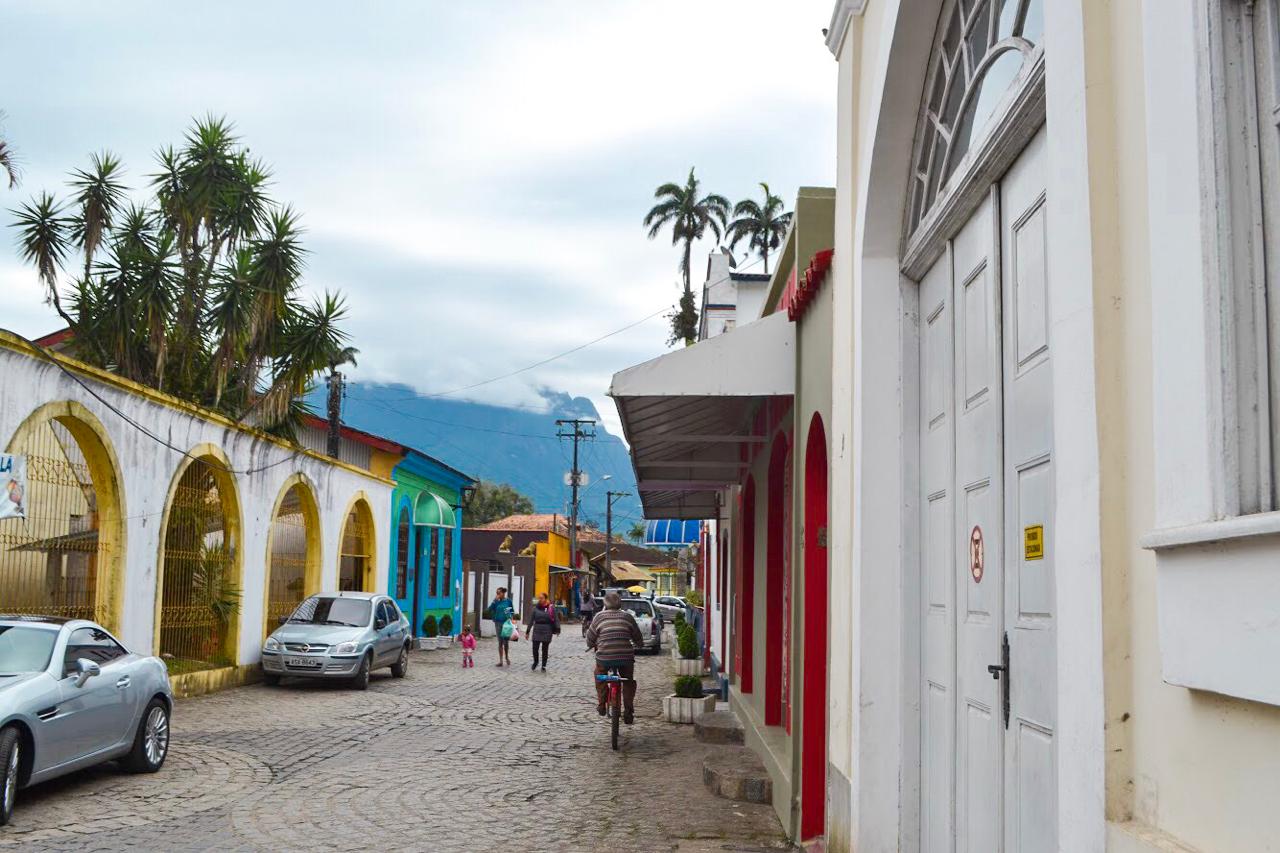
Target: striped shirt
614	635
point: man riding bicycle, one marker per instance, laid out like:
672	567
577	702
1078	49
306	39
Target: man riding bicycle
615	636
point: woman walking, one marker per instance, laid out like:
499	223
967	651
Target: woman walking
542	627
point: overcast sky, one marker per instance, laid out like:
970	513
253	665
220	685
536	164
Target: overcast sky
472	175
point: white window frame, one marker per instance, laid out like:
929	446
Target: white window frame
1210	363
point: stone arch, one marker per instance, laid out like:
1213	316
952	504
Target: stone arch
66	558
813	730
293	550
777	522
356	547
199	584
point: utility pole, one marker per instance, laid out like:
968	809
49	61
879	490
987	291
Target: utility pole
336	386
583	429
610	497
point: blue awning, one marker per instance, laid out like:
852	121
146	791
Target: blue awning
672	533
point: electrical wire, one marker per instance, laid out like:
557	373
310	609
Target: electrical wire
130	421
578	348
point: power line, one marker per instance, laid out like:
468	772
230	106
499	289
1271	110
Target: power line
579	347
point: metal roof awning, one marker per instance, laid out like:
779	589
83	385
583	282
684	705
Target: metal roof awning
624	571
686	415
432	510
566	570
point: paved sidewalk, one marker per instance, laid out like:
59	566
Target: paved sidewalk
447	759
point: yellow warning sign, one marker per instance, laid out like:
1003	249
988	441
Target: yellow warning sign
1033	542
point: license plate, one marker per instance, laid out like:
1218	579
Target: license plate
305	663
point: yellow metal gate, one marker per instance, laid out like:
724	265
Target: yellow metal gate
50	560
200	596
287	578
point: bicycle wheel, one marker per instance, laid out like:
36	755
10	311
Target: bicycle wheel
615	714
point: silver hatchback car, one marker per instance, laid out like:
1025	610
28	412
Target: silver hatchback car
71	696
339	635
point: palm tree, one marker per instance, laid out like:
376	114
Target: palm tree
689	217
8	159
763	227
195	292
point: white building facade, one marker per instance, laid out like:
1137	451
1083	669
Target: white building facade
1053	488
173	526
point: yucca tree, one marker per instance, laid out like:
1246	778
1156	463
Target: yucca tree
8	159
762	225
194	291
689	215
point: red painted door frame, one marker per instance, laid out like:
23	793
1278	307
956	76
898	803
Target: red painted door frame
747	597
775	530
813	732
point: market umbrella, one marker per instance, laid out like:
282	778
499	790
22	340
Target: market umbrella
636	588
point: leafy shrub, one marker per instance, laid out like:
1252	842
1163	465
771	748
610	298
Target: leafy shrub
687	642
689	687
446	625
694	597
429	626
488	612
678	621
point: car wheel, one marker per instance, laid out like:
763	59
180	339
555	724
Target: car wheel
151	742
401	667
361	679
11	753
270	679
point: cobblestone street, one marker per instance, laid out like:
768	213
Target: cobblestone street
447	759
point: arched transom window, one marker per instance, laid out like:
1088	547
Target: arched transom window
983	53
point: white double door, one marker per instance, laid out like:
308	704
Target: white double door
987	774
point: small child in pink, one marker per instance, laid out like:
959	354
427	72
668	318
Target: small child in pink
468	641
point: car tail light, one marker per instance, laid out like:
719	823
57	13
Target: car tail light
653	627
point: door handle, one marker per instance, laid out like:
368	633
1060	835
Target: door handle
1000	669
123	682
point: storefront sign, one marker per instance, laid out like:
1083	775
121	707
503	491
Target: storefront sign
13	486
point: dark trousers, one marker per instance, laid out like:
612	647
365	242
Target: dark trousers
626	670
545	645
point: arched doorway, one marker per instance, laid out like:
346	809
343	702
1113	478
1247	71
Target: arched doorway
813	753
355	558
61	557
200	595
293	551
776	570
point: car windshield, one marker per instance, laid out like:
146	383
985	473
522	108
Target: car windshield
25	649
330	610
639	608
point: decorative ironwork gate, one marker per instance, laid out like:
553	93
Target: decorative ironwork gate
50	561
287	572
356	555
200	596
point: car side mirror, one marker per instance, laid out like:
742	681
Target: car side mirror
84	670
379	624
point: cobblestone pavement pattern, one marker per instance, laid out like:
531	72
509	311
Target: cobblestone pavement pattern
446	759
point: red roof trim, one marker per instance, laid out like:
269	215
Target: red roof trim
54	338
359	436
800	290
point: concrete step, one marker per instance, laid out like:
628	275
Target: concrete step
736	773
718	727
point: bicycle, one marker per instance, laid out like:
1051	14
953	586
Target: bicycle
613	699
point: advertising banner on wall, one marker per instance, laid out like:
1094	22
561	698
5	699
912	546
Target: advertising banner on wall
13	486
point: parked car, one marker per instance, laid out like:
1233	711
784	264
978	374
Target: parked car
648	618
71	696
671	606
339	635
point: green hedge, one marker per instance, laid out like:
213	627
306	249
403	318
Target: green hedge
429	627
687	642
689	687
446	625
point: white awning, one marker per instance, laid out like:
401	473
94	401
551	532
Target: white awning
687	414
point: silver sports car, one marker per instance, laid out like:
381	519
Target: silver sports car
71	695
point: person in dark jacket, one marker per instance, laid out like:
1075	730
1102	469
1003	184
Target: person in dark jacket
542	627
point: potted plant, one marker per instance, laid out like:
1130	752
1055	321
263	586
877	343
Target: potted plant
690	660
446	630
687	703
430	631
